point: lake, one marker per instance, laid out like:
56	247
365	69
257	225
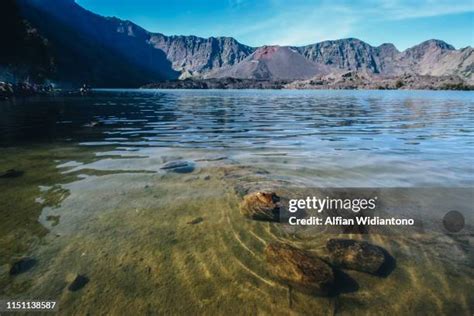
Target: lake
139	190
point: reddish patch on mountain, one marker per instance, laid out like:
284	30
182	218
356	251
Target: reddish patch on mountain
265	52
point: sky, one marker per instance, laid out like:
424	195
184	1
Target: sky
404	23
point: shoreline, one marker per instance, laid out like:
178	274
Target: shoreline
10	91
348	81
326	88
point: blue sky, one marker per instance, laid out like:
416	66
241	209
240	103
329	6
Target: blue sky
298	22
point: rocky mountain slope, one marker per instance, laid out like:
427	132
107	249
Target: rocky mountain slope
195	56
272	63
430	58
25	54
89	48
347	54
224	57
437	58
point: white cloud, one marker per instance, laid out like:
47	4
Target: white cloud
300	22
402	9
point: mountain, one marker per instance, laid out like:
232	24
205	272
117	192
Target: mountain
432	57
437	58
347	54
89	48
272	63
25	54
194	56
63	42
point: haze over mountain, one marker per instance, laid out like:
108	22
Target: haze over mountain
107	51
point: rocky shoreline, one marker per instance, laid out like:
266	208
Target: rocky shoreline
215	83
351	80
9	90
362	80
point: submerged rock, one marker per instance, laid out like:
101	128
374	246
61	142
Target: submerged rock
11	173
195	221
299	269
54	219
261	206
248	179
79	282
179	166
356	255
22	265
213	158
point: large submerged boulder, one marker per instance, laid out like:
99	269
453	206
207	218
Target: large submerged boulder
23	265
299	269
179	166
78	283
356	255
262	206
11	173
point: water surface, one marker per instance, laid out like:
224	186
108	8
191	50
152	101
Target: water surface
92	198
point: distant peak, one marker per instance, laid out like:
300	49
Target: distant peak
388	47
351	39
266	51
435	43
343	42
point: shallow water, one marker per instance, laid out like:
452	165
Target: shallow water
93	199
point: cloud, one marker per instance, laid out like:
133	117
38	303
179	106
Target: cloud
400	9
302	22
299	25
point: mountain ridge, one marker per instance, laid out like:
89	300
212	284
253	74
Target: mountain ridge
116	52
89	48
